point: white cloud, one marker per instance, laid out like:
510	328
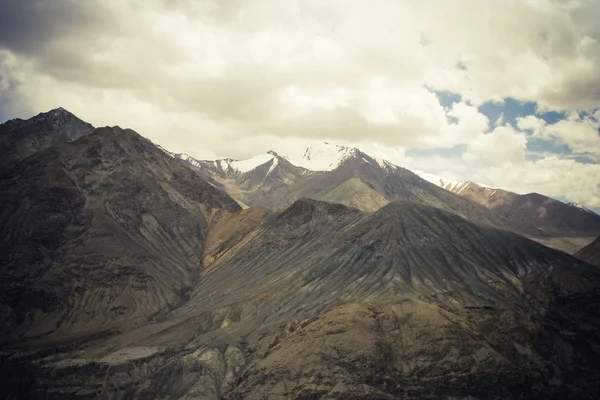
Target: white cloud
531	122
504	147
231	78
581	135
214	57
551	176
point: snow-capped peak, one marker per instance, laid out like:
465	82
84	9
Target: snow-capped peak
455	186
448	184
251	163
323	157
228	164
386	165
53	115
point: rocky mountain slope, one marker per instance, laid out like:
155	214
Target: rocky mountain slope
127	275
98	233
323	301
590	253
21	138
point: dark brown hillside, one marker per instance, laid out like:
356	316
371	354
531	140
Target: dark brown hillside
590	253
99	232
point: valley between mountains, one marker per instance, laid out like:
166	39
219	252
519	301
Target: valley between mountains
128	271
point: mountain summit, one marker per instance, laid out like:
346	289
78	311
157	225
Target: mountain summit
21	138
326	156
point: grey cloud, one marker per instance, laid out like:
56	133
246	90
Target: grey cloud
120	49
346	124
28	25
206	75
576	91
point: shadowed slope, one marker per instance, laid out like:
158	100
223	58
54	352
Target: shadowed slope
590	253
21	138
323	301
315	254
543	346
98	233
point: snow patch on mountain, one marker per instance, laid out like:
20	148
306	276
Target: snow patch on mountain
386	165
323	157
166	151
454	186
580	207
251	163
444	183
273	165
327	157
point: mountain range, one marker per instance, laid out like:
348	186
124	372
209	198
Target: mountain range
131	272
348	176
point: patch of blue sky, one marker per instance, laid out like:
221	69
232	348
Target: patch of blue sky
511	109
447	99
539	148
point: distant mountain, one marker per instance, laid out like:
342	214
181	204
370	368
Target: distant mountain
347	175
261	180
351	177
448	184
553	217
590	253
326	157
21	138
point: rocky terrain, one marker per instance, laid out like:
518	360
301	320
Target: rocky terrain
125	274
98	232
590	253
21	138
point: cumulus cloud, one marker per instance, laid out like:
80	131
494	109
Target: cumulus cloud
552	176
503	147
230	78
580	134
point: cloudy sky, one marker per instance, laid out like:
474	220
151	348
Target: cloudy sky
505	93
